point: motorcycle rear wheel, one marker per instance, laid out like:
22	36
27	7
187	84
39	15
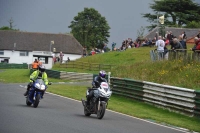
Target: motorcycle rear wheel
37	100
101	111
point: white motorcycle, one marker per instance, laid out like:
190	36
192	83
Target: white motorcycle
99	101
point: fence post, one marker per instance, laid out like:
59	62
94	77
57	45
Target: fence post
109	73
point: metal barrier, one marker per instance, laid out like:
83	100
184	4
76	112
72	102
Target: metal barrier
177	54
87	66
72	76
50	73
182	100
76	76
13	66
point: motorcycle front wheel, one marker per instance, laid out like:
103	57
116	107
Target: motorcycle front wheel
101	111
86	112
37	100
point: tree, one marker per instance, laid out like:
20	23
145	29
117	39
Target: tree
90	28
193	24
178	13
140	33
9	28
11	23
5	28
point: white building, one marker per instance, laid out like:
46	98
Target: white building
24	47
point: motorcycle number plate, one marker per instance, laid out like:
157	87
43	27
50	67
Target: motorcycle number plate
104	85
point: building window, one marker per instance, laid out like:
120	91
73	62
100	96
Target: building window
44	60
1	52
23	53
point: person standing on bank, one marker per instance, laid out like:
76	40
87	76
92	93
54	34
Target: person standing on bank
160	44
61	57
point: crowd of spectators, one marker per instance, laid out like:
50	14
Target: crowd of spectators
94	51
174	42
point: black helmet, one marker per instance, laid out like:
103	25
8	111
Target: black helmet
102	74
41	68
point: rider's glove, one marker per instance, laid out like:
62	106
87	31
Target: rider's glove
30	84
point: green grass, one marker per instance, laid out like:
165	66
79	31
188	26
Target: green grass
20	76
136	64
132	107
14	75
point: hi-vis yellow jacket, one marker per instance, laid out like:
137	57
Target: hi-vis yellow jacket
35	74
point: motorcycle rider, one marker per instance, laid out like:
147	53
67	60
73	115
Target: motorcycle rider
95	84
38	74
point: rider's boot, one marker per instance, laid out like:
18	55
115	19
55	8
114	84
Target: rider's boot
42	95
28	88
26	93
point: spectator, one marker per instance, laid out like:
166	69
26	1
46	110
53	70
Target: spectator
197	44
97	51
176	44
184	37
131	42
166	34
160	44
68	60
92	52
156	36
61	57
113	46
35	65
166	53
84	52
154	41
144	43
170	38
105	48
198	35
54	59
183	42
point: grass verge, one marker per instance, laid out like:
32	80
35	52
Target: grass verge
132	107
20	76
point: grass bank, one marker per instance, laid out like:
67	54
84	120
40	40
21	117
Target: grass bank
136	64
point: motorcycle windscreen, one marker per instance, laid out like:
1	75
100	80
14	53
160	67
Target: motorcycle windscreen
104	86
39	84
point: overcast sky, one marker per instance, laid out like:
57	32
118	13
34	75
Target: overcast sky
54	16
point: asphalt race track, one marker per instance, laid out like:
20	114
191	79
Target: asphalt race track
61	115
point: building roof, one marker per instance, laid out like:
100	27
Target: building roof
190	33
30	41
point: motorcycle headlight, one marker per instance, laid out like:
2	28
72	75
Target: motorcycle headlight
40	86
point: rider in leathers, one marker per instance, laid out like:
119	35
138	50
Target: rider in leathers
95	84
40	73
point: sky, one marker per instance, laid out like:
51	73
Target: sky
54	16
